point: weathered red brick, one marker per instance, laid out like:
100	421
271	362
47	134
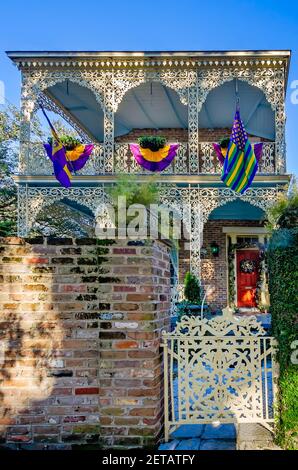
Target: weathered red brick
87	391
36	260
126	344
124	251
124	288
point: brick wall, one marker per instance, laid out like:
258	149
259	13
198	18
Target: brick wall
214	269
79	329
177	135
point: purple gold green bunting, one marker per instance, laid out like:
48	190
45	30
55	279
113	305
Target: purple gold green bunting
57	155
66	162
221	152
240	164
154	161
78	156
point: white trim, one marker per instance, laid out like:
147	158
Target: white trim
233	232
245	230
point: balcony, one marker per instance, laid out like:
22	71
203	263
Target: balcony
207	163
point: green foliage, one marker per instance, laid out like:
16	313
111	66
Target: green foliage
153	142
183	309
288	430
283	282
284	213
7	228
145	193
69	142
9	133
224	142
192	288
60	220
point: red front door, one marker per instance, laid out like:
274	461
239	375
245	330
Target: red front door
247	277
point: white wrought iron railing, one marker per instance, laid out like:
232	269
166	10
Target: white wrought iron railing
37	163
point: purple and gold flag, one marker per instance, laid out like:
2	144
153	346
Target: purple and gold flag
154	161
57	155
65	161
68	161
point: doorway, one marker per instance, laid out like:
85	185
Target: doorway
247	262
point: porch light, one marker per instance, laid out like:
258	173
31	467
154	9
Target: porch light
214	249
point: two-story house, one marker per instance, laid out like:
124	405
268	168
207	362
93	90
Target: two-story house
111	98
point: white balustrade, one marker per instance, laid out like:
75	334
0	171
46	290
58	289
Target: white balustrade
39	164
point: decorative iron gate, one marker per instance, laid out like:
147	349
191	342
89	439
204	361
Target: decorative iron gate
220	370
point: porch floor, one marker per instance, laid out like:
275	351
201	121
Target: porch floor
202	437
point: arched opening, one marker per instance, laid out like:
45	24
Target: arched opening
64	218
232	264
216	119
256	112
151	108
81	104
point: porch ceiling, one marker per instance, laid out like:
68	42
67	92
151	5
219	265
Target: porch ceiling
152	105
237	210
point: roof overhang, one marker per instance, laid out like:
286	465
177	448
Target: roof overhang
16	55
140	109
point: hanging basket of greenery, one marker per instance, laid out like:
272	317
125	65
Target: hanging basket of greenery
221	148
153	142
76	153
69	142
153	153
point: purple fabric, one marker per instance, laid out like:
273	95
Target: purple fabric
154	166
257	149
219	155
76	165
59	161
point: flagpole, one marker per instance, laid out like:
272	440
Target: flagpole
55	133
237	94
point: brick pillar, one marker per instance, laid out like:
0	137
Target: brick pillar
131	378
80	323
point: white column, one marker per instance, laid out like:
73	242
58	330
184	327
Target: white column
109	125
193	121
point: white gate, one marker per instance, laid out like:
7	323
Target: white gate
220	370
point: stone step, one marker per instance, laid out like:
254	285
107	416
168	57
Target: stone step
189	444
222	431
169	445
188	431
218	444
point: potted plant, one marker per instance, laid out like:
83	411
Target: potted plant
66	152
69	142
192	304
221	148
76	153
153	153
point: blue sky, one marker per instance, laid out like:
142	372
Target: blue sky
151	25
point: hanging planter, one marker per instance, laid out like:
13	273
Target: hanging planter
76	153
153	154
